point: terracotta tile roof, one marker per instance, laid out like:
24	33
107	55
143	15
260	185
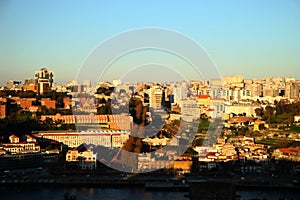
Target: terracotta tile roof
211	154
202	96
241	119
289	150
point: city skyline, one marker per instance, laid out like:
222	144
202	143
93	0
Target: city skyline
255	40
131	79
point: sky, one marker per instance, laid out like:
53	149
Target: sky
251	38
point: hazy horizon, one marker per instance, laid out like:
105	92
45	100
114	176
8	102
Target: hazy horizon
256	39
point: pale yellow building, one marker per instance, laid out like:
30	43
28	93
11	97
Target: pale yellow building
74	139
232	79
259	122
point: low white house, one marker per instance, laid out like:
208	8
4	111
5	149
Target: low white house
297	118
85	160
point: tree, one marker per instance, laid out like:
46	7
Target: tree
191	151
246	123
259	112
268	113
261	127
60	100
137	149
197	142
138	111
129	144
139	143
101	90
27	94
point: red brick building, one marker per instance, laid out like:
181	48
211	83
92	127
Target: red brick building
67	103
3	108
2	111
26	103
116	122
48	103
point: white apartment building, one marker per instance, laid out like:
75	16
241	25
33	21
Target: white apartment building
291	90
190	110
155	97
241	109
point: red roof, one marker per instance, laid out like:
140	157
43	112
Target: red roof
241	119
211	154
12	146
289	150
203	96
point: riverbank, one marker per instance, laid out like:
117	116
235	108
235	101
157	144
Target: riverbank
142	180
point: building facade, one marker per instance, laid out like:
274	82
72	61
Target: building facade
108	139
44	80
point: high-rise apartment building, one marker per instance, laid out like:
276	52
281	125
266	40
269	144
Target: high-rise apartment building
190	110
155	97
14	85
30	84
44	80
292	90
257	89
180	93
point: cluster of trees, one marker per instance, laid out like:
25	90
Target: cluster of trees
105	104
105	109
133	144
22	94
19	124
281	113
171	129
105	91
51	111
203	124
24	122
278	143
138	111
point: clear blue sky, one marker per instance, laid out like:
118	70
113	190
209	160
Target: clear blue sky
249	38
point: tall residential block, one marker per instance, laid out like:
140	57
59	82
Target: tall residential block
292	90
155	97
44	80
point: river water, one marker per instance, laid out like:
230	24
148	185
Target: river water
86	193
126	193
